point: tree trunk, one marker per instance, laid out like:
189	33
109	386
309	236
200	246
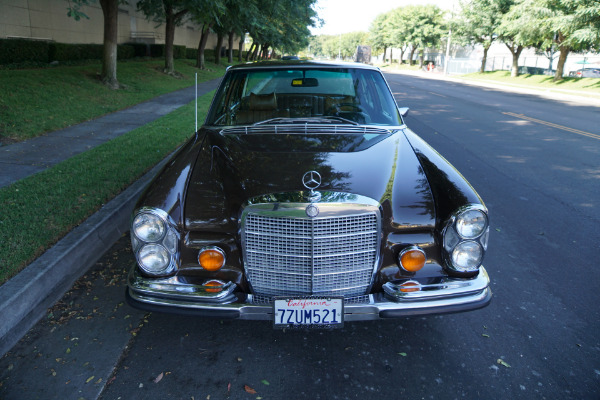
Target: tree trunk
201	46
412	54
255	52
218	49
402	50
250	51
516	52
384	51
230	48
562	58
391	55
421	58
484	60
169	38
241	49
110	9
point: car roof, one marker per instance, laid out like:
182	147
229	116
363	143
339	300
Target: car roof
300	64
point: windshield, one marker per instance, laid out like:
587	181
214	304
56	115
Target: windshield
303	95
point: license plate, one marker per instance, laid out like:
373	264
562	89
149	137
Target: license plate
321	312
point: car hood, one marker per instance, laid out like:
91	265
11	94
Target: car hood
233	167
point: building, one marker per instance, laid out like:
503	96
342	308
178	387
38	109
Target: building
48	20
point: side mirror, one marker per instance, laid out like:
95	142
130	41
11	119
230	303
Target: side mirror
403	111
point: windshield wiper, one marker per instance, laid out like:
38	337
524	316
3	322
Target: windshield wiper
308	120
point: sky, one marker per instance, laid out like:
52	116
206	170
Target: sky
343	16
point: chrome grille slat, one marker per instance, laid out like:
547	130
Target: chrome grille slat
287	254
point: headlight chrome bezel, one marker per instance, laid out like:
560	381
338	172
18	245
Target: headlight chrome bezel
454	239
168	241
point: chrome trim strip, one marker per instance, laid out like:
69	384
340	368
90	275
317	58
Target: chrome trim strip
448	287
158	290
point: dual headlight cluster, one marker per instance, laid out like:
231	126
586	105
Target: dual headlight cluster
154	242
466	238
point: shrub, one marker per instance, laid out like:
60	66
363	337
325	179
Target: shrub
72	52
22	50
125	52
179	52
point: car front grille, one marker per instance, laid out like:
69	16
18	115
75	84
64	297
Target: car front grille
333	255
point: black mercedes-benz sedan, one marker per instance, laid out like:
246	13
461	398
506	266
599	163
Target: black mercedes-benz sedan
305	200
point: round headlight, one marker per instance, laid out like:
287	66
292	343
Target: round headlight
148	227
154	258
471	224
467	256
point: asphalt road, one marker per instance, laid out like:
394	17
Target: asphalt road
535	162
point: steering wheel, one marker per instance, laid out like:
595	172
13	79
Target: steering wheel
343	107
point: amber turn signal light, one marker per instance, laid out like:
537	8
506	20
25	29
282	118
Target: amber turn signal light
410	286
214	285
211	258
412	259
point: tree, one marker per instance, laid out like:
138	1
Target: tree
110	11
478	23
379	37
171	13
282	25
571	25
400	30
422	27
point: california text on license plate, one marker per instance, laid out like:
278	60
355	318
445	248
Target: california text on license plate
325	312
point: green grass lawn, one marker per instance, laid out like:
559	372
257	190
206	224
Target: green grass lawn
38	211
589	85
41	209
35	101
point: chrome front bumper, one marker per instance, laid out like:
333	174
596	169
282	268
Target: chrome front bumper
444	295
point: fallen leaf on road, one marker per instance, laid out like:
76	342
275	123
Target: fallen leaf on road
248	389
89	379
503	363
402	354
158	378
265	382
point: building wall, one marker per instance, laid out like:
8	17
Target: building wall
48	20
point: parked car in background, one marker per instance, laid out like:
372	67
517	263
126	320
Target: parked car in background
586	73
305	200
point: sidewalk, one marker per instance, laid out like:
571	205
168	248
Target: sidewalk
25	298
20	160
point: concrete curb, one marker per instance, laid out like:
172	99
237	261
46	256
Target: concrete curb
25	298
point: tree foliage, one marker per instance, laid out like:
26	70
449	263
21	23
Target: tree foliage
478	23
570	25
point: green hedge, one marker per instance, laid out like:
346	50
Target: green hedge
16	51
73	52
125	52
22	50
